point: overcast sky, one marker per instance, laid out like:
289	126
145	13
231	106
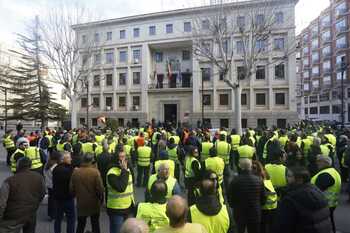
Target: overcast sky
14	14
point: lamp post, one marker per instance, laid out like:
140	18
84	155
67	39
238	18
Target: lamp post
202	70
5	95
343	69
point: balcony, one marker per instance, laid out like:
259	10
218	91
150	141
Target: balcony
170	86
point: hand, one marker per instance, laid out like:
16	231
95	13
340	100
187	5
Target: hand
124	164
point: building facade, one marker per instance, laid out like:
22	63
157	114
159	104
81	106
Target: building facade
145	68
323	45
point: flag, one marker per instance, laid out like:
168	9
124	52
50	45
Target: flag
102	119
169	69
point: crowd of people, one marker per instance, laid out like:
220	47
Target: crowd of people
195	180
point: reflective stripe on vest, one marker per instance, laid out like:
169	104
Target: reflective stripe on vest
216	165
271	200
170	163
33	154
277	173
235	140
332	193
153	214
144	156
119	200
9	143
13	161
170	182
213	224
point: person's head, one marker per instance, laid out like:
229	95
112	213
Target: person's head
208	184
66	157
171	140
22	143
159	190
259	170
298	175
317	141
245	140
134	225
176	210
121	155
222	137
88	158
194	151
163	155
245	164
323	161
23	164
233	131
163	171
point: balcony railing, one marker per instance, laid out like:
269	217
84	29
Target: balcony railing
169	85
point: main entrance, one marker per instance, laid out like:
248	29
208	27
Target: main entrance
170	113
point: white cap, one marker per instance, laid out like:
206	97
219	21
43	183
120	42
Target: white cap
21	141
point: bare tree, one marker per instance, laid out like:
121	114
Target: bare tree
70	58
215	32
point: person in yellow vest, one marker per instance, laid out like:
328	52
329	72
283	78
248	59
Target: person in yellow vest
246	149
9	145
223	150
270	207
278	173
153	212
120	197
144	157
235	141
208	210
173	152
99	137
64	144
163	174
22	143
88	146
328	180
215	164
177	210
283	138
327	147
37	158
206	145
192	172
164	158
306	142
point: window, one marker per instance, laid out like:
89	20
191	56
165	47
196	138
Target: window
83	38
260	72
341	43
260	19
82	121
205	24
223	99
207	100
305	38
314	44
326	36
84	59
240	72
96	82
221	75
336	109
306	100
94	121
244	123
136	78
341	26
306	87
281	123
279	44
280	98
121	122
109	102
306	74
159	57
261	123
122	34
260	45
326	21
83	102
241	21
315	57
340	9
186	55
109	35
306	62
306	111
123	56
348	92
97	37
187	27
109	58
339	60
223	123
122	101
122	79
96	102
152	30
279	17
327	80
136	101
339	76
326	66
313	99
97	59
306	50
279	71
314	30
324	97
109	79
326	51
315	84
136	55
239	47
206	73
314	110
260	99
169	28
335	95
136	32
244	100
315	70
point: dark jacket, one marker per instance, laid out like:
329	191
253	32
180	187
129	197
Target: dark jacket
303	210
246	195
20	196
61	176
103	165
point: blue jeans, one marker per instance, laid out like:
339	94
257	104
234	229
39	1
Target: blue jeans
65	207
115	222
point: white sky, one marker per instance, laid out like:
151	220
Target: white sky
14	14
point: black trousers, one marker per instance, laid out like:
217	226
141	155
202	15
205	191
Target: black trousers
51	204
10	151
94	220
251	227
331	210
267	220
177	171
142	172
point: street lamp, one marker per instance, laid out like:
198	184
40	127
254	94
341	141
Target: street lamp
202	70
343	69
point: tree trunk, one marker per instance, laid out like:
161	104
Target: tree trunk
238	114
74	111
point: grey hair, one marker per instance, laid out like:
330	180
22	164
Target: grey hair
163	166
317	141
134	225
245	164
325	158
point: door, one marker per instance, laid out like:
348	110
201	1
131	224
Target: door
170	113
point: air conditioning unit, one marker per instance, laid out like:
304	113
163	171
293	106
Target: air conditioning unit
136	61
135	108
